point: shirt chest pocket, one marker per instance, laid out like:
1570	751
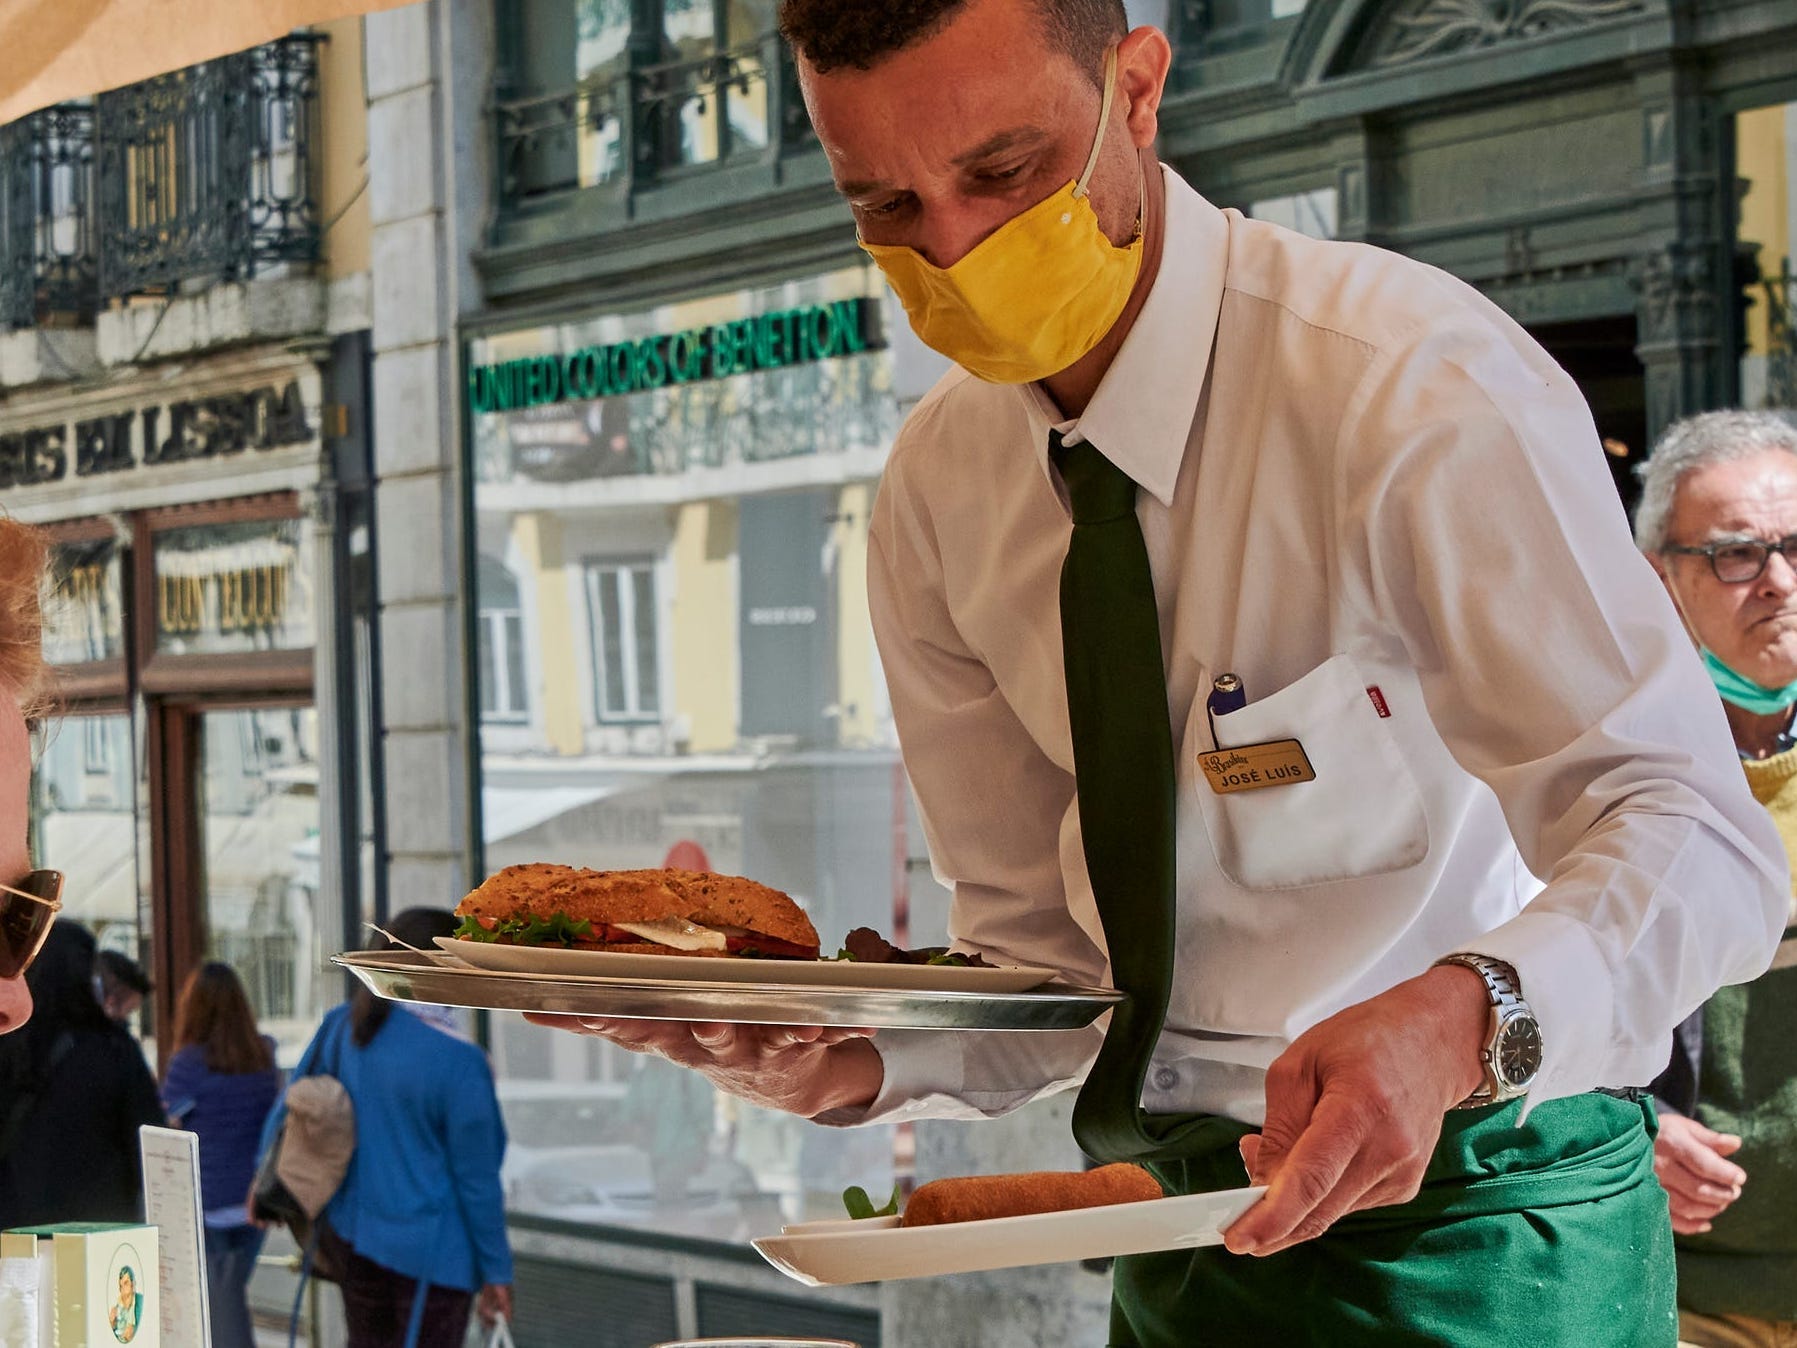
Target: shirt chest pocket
1361	816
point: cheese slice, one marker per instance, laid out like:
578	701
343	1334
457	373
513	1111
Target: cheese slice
676	932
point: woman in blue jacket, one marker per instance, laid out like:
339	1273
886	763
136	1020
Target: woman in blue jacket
221	1082
421	1212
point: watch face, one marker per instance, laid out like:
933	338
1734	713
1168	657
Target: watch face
1519	1051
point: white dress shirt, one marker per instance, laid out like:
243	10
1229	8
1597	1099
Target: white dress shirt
1355	473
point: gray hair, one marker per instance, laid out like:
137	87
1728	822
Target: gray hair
1697	442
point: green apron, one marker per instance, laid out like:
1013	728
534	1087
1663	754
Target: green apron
1554	1235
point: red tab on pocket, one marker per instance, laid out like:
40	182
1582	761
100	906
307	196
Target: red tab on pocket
1379	703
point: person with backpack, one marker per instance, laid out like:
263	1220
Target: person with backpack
416	1230
221	1083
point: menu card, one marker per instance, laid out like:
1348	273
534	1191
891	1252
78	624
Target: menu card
172	1204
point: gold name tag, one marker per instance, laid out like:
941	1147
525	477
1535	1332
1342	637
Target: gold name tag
1248	767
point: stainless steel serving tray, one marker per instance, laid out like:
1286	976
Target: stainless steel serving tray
408	977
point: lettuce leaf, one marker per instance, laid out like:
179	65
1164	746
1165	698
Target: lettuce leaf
556	929
861	1207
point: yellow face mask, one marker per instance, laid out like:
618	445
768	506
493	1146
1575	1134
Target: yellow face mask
1035	295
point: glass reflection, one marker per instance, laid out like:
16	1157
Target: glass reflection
84	825
682	569
260	834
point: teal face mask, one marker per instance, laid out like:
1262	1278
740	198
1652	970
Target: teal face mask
1743	691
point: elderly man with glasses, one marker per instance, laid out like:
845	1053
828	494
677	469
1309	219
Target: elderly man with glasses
1718	520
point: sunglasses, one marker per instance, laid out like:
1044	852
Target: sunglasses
26	913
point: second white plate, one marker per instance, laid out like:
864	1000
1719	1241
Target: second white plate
540	959
830	1253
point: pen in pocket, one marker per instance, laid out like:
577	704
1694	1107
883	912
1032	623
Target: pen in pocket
1226	695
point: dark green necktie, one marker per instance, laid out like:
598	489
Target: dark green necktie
1123	764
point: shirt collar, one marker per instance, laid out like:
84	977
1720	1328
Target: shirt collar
1141	415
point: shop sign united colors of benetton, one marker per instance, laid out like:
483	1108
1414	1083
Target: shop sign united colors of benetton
217	426
769	341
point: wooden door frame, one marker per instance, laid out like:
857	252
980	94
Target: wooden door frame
171	692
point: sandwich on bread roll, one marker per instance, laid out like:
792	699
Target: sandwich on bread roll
975	1198
646	912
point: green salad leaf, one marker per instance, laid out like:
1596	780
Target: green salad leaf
861	1207
556	929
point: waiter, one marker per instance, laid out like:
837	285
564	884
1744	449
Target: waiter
1183	445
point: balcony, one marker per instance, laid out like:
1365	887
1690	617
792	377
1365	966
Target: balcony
47	271
654	123
208	172
205	175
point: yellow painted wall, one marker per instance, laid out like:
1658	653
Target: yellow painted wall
1763	159
539	539
854	644
343	137
702	618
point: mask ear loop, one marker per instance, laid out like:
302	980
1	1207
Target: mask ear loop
1104	117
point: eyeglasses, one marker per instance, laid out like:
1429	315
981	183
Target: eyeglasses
1736	561
25	917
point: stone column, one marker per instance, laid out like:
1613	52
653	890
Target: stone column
429	181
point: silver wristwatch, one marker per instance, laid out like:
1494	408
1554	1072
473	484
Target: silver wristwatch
1512	1053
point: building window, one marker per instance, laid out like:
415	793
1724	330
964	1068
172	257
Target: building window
502	685
621	616
96	746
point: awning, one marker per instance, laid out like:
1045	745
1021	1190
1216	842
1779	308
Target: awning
508	811
62	49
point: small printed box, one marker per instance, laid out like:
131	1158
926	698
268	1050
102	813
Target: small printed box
103	1283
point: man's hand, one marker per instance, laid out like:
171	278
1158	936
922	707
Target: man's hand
801	1069
1354	1107
1699	1183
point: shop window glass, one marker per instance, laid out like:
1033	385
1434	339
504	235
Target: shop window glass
83	613
84	825
234	588
705	694
259	822
501	625
621	609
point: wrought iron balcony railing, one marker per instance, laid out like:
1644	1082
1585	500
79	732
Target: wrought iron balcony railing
652	122
210	171
47	260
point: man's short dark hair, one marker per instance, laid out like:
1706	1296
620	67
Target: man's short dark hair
124	970
861	33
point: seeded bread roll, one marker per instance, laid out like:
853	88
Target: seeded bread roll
724	902
974	1198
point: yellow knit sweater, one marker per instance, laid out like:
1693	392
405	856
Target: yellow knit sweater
1774	783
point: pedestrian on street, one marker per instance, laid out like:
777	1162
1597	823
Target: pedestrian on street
74	1090
221	1083
418	1225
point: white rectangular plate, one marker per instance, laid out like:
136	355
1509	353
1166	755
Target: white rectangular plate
830	1253
558	960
